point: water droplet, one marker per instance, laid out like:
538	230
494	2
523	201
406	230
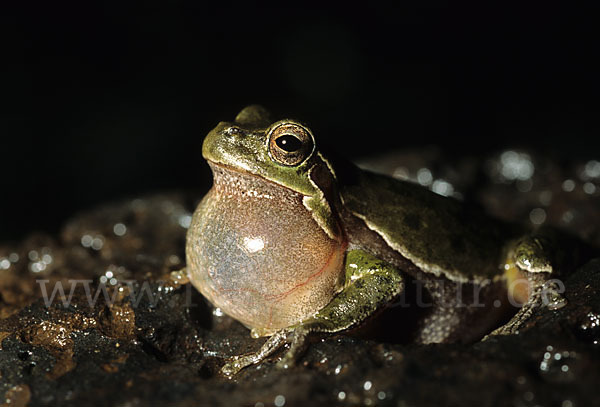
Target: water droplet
568	185
568	216
592	169
33	255
119	229
279	400
185	220
592	321
97	243
516	166
589	188
37	266
442	187
86	240
537	216
424	176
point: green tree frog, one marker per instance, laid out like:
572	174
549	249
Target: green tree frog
289	241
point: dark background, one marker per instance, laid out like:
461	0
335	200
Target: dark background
103	101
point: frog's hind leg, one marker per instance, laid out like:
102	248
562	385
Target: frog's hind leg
458	312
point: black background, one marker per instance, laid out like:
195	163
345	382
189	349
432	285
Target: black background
107	100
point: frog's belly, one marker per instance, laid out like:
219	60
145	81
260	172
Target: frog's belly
262	258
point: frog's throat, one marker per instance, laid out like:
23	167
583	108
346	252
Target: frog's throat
317	205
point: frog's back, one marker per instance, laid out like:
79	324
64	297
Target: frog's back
440	235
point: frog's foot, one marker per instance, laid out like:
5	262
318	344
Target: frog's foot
298	339
237	363
516	322
295	337
541	291
179	277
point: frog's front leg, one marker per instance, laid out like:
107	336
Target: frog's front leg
370	284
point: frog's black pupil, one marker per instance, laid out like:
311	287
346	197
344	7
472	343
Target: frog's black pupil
289	143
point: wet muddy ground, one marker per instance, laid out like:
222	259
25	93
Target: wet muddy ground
123	331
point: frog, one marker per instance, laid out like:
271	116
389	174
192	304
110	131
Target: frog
292	240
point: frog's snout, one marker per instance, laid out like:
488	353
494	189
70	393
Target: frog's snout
216	140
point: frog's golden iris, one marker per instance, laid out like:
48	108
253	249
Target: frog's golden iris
290	143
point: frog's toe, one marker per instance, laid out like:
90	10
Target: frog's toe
287	361
296	346
237	363
232	367
552	294
179	277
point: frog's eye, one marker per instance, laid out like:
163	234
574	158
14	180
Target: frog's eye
290	144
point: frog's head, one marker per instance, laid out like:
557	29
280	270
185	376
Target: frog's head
283	152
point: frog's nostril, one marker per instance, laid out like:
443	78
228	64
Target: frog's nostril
233	131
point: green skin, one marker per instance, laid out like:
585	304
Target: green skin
395	231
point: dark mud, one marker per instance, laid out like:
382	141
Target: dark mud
148	340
